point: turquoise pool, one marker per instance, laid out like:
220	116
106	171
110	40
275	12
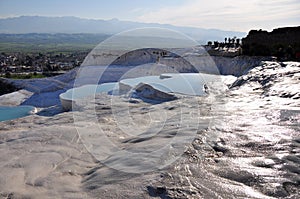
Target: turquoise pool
14	112
88	90
68	97
181	83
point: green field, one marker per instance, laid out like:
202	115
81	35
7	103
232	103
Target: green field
23	76
49	43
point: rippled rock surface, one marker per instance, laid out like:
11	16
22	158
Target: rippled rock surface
245	144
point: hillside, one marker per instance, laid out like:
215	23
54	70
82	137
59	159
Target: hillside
38	24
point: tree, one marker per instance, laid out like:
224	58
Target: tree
238	41
233	39
225	40
216	44
8	75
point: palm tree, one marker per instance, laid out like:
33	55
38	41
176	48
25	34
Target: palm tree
233	39
229	40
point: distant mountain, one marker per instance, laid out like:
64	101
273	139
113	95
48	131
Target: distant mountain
39	24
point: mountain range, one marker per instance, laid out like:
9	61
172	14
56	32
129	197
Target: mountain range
42	24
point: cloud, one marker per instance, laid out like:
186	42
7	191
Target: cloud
228	14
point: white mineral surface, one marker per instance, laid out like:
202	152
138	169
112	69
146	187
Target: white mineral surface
240	141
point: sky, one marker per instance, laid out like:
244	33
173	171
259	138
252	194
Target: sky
234	15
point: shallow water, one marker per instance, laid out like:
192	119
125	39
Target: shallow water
187	84
10	112
88	90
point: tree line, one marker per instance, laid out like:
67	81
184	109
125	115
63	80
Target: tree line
229	42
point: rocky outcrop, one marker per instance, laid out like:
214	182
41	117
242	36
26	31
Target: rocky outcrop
153	55
190	62
237	66
150	61
146	91
283	43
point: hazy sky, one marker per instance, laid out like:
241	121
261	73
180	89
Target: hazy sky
241	15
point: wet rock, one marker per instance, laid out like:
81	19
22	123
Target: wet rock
292	188
157	191
267	163
241	176
238	82
277	192
220	148
148	92
292	168
276	79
